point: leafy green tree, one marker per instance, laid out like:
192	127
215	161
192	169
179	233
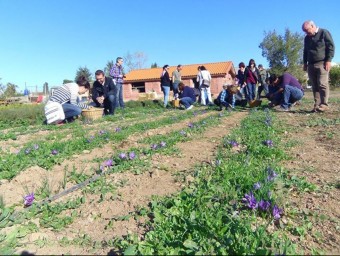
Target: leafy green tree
66	81
10	90
108	67
284	53
84	71
334	75
154	65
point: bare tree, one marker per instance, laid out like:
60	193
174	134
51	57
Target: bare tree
134	61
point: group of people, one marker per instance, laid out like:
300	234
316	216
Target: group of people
283	91
107	93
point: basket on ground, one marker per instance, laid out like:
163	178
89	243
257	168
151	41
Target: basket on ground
92	113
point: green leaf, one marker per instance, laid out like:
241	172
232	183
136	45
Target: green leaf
190	244
131	250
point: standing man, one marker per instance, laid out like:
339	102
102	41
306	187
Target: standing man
317	56
262	81
117	74
103	93
176	79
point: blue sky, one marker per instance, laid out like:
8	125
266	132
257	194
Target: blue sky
48	40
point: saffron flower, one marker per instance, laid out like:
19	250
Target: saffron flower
106	163
257	186
90	139
154	146
264	205
250	201
27	151
233	143
101	132
268	143
118	129
122	156
271	174
54	152
36	146
162	144
132	155
191	125
28	199
218	162
182	132
277	212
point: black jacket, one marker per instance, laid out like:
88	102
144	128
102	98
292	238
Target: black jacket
105	90
165	79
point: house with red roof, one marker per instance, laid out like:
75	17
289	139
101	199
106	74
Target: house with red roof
140	82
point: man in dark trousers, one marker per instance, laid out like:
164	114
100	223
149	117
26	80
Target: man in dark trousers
318	53
187	96
103	93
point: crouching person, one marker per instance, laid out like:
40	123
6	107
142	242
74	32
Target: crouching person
289	87
64	104
187	96
103	93
226	98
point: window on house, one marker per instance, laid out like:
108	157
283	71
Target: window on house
140	86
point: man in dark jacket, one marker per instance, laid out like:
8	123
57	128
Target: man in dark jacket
187	96
317	56
103	93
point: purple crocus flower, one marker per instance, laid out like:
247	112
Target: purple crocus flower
268	143
118	129
277	212
154	146
218	162
132	155
194	113
90	139
27	151
54	152
106	163
250	200
182	132
28	199
162	144
233	143
122	156
271	174
36	146
257	186
101	132
264	205
191	125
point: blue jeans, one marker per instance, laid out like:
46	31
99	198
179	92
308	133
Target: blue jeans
109	104
119	95
186	101
251	89
166	91
175	88
260	89
70	111
291	94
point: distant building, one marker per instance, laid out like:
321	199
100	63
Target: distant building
148	80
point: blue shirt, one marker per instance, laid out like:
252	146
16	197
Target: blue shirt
226	98
188	92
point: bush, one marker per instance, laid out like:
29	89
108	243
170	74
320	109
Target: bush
334	76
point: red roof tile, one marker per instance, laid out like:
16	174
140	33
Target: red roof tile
188	71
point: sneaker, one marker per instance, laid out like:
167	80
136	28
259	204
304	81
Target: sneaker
281	109
191	106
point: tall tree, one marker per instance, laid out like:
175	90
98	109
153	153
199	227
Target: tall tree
134	61
108	67
45	88
84	71
10	90
284	53
154	65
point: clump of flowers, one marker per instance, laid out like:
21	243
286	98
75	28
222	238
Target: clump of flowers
268	143
27	151
183	133
257	186
250	201
122	156
89	140
118	129
277	212
191	125
107	163
132	155
154	146
264	205
162	144
218	162
29	199
35	146
102	132
54	152
271	174
233	143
